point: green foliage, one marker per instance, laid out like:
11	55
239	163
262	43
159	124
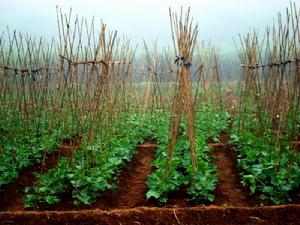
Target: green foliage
272	172
204	181
50	185
210	123
87	176
200	185
21	150
159	184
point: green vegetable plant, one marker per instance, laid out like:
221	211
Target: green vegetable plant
270	171
200	186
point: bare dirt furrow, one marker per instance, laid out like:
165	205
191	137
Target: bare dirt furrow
229	191
132	183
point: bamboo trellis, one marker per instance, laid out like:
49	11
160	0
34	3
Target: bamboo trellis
184	36
271	72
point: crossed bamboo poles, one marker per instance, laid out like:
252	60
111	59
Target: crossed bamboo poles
184	38
271	71
84	73
93	73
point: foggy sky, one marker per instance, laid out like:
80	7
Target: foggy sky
218	20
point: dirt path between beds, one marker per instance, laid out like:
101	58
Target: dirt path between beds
229	191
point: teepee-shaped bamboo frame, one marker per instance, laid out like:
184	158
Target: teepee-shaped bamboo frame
184	38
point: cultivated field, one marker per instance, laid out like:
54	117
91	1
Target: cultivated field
90	136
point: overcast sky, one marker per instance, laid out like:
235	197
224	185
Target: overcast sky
219	20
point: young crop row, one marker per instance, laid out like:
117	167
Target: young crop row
181	172
268	167
199	186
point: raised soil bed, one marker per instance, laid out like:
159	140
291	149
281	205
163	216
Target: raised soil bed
215	215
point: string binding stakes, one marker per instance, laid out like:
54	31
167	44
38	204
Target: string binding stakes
181	61
272	64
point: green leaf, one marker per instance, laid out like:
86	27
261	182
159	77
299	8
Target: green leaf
152	193
268	189
251	179
210	197
42	189
82	196
50	199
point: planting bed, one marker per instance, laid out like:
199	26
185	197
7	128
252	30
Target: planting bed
128	205
11	197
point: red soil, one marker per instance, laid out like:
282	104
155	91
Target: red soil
178	199
212	215
133	184
229	191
